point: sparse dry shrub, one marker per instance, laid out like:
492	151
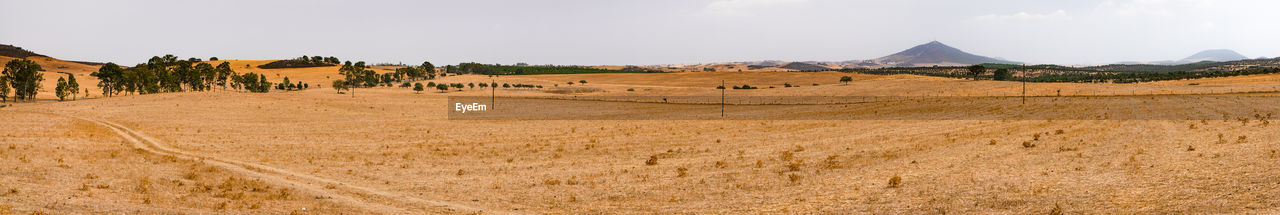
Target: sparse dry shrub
653	160
144	185
1057	209
551	182
895	181
1242	139
787	156
993	142
721	164
1059	131
1035	137
1191	148
759	164
682	172
832	162
1066	149
461	172
795	165
1028	144
794	178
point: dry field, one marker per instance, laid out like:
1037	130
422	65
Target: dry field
390	150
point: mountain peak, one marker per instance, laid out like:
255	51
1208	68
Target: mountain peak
935	53
1214	55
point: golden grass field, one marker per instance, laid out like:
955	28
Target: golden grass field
390	150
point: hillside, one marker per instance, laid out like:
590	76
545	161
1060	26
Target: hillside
16	52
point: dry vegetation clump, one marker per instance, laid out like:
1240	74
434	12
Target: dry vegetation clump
653	160
895	181
1028	144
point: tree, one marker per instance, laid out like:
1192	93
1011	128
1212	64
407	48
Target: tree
417	87
846	79
1002	75
976	71
213	58
582	81
471	85
24	76
4	88
72	86
340	85
442	87
109	77
61	89
223	71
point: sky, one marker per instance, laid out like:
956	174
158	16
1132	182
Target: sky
637	32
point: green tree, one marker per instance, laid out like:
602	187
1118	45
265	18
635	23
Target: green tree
582	81
73	86
846	79
340	85
4	88
471	85
442	87
976	70
223	71
1002	75
109	76
61	89
24	76
417	87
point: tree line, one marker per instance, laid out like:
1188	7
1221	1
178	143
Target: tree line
357	75
1053	73
497	69
168	74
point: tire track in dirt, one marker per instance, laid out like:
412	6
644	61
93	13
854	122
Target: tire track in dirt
367	198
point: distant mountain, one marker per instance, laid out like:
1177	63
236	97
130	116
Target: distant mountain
1218	55
1215	55
934	53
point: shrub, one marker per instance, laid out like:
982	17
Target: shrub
1028	144
895	181
653	160
628	89
682	172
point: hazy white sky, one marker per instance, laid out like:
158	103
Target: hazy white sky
596	32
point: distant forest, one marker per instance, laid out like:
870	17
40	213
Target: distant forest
496	69
1115	73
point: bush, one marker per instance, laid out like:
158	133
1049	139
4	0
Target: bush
653	160
895	181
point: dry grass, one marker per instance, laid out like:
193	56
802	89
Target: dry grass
393	140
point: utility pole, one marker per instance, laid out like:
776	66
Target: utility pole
721	98
1024	84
